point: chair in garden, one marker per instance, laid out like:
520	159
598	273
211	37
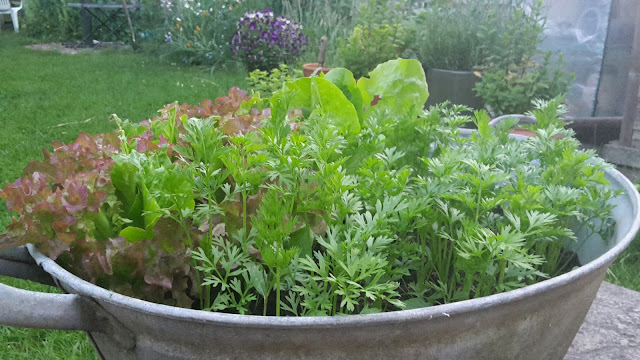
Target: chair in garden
6	8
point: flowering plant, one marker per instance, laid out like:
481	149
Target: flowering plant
198	32
263	40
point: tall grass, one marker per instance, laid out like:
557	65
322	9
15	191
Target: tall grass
625	271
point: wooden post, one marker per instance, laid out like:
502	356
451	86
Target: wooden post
633	85
133	33
323	51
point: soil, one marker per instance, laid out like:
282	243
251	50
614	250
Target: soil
74	48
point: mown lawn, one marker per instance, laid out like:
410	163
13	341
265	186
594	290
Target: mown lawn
46	96
626	270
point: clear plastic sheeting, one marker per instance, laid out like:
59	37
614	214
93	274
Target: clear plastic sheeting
578	29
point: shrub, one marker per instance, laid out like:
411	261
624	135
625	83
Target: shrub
263	40
510	89
516	71
369	46
51	20
378	37
447	36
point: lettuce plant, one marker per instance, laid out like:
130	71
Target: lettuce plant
315	201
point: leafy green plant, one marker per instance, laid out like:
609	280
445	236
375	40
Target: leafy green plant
447	34
267	82
302	205
515	71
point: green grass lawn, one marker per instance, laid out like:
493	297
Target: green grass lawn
46	96
626	270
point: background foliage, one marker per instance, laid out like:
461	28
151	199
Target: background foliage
334	19
379	35
514	70
447	36
51	20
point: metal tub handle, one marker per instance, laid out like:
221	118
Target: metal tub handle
18	263
24	308
31	309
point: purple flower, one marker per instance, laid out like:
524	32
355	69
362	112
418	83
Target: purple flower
168	39
262	40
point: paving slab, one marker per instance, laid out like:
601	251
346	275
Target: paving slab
611	330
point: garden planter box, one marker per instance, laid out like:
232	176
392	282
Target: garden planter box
535	322
453	86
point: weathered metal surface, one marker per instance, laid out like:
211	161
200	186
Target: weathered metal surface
535	322
18	263
45	311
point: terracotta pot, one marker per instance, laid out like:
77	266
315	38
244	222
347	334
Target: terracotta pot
522	120
309	68
523	132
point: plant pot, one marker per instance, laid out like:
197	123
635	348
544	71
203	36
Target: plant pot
535	322
453	86
522	120
309	68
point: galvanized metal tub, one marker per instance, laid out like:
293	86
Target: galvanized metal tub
535	322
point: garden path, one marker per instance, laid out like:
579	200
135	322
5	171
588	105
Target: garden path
611	330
